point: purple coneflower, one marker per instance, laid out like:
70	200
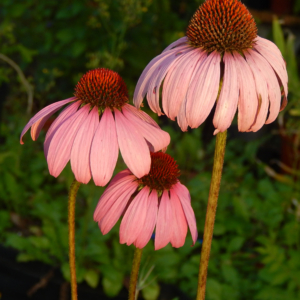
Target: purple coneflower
155	199
90	130
220	58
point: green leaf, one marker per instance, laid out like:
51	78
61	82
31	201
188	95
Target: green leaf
92	278
236	244
111	287
214	289
24	257
151	292
278	36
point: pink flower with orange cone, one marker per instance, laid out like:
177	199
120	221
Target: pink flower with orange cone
94	126
157	199
221	57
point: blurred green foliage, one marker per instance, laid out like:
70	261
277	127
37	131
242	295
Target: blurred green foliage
255	252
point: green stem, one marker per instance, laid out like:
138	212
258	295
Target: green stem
71	220
134	273
211	212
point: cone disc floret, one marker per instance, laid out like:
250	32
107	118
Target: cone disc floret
222	25
163	174
102	88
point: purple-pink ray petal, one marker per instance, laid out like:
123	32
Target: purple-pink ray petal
181	117
228	99
80	154
262	94
158	138
150	221
42	116
133	146
117	208
203	91
113	191
177	82
104	150
180	226
164	224
248	102
272	83
64	115
61	144
134	217
178	42
185	199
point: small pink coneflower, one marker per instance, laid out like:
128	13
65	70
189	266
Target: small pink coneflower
220	58
90	131
155	199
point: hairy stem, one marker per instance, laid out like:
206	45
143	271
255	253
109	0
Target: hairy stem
134	273
71	220
211	212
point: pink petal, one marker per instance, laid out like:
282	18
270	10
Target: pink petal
228	100
178	42
145	79
262	94
80	154
62	141
158	138
185	199
65	114
42	116
120	182
117	207
133	146
177	82
105	149
150	221
203	91
180	226
160	73
272	83
164	224
181	118
248	102
134	217
275	59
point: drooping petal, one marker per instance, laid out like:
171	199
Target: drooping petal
160	73
150	221
117	208
134	217
185	199
228	99
248	102
203	91
262	94
158	138
104	150
133	146
80	154
61	144
65	114
178	42
181	118
177	82
120	182
145	79
272	83
42	116
180	226
275	60
164	224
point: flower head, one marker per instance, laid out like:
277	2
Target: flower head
157	198
221	61
91	129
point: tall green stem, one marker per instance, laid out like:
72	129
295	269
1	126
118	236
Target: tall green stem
211	212
71	220
134	273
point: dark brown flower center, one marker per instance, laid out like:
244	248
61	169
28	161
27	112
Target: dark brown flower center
102	88
222	25
163	174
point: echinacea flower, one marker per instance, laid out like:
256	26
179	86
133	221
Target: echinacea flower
220	60
157	198
90	131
